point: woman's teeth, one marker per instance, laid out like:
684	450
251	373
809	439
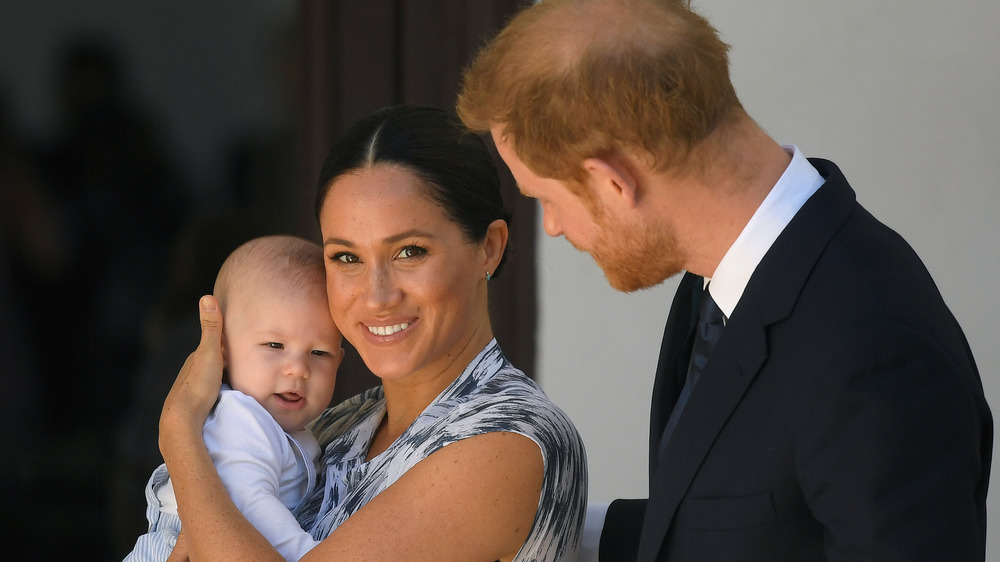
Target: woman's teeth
388	330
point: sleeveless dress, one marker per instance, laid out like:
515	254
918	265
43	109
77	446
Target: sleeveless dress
490	395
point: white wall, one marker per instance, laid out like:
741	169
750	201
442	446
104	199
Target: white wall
904	95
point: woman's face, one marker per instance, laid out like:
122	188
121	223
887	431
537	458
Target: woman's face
405	286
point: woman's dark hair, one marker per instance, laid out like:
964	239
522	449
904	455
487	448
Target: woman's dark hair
454	164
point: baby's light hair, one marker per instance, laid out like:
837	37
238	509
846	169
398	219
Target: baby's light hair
270	263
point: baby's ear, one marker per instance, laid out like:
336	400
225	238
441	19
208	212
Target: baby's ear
225	352
225	361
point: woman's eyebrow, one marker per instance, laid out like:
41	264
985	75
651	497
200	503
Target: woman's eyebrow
412	233
338	242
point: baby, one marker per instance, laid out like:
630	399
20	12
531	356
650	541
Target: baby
281	351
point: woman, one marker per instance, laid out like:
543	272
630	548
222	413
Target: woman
457	456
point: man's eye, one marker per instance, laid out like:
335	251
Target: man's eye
410	252
275	345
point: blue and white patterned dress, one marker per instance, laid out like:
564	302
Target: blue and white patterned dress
491	395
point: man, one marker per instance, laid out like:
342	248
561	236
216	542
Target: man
814	399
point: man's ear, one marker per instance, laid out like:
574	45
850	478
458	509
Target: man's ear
613	175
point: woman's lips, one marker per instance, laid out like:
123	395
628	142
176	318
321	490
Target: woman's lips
386	333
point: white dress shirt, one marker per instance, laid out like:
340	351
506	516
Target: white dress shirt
795	186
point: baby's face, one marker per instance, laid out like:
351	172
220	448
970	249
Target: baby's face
283	349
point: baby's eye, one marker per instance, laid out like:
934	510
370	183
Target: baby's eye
275	345
320	352
410	252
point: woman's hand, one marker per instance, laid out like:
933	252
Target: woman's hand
180	551
196	388
214	528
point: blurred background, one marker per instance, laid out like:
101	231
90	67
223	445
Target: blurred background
140	142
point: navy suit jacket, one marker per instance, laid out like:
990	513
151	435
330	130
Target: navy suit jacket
840	417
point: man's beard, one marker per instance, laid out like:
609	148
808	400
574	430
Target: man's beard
634	256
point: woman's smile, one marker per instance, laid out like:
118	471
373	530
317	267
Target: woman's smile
388	330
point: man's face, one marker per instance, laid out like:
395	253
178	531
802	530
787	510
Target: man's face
563	213
632	254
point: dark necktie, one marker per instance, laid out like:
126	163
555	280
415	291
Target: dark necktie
707	332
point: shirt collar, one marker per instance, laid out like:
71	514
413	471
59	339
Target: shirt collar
796	185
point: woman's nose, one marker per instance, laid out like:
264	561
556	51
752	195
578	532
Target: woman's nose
382	289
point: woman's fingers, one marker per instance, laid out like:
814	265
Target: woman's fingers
201	374
211	328
197	385
180	551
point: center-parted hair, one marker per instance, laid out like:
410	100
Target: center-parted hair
574	79
454	165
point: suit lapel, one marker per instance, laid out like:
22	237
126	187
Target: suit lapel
739	355
666	386
736	360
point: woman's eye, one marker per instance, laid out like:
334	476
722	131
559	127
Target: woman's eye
275	345
345	257
411	252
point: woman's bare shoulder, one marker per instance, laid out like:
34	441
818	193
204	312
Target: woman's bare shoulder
473	499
